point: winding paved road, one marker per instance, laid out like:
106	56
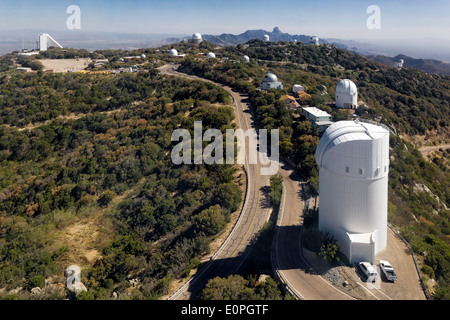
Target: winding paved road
286	256
254	214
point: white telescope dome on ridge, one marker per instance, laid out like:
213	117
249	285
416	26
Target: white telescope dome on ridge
353	160
399	63
211	55
246	59
173	52
346	95
266	38
197	36
314	40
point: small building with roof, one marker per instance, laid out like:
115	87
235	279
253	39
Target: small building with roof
318	118
290	102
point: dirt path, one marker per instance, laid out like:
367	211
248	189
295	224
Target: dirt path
427	150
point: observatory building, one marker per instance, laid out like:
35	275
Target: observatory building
266	38
173	53
46	41
314	40
353	160
346	95
297	87
211	55
271	82
196	38
246	59
399	64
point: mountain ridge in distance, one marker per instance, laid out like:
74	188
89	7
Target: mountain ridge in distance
427	65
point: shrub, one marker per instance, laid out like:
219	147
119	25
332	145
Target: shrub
106	198
37	281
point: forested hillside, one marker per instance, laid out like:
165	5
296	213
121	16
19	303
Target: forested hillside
97	159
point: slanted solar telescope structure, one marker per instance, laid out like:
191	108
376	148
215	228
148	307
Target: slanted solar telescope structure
46	41
353	160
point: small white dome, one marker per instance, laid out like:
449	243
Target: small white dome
266	38
211	55
197	36
173	52
143	56
346	86
270	77
246	59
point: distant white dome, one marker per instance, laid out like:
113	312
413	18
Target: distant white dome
246	59
173	52
266	38
197	36
314	40
211	55
143	56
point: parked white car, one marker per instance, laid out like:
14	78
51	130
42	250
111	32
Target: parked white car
369	270
388	271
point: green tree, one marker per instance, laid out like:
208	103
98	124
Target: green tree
228	196
276	189
329	250
210	221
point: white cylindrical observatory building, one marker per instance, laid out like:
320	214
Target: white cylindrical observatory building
346	95
197	38
353	159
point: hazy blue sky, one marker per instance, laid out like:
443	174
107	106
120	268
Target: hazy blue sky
407	19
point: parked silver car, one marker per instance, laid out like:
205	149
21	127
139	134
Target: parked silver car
388	271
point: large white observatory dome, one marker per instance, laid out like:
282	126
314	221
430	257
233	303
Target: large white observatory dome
266	38
173	52
211	55
246	59
346	95
353	160
196	38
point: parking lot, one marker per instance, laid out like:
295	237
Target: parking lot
407	286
